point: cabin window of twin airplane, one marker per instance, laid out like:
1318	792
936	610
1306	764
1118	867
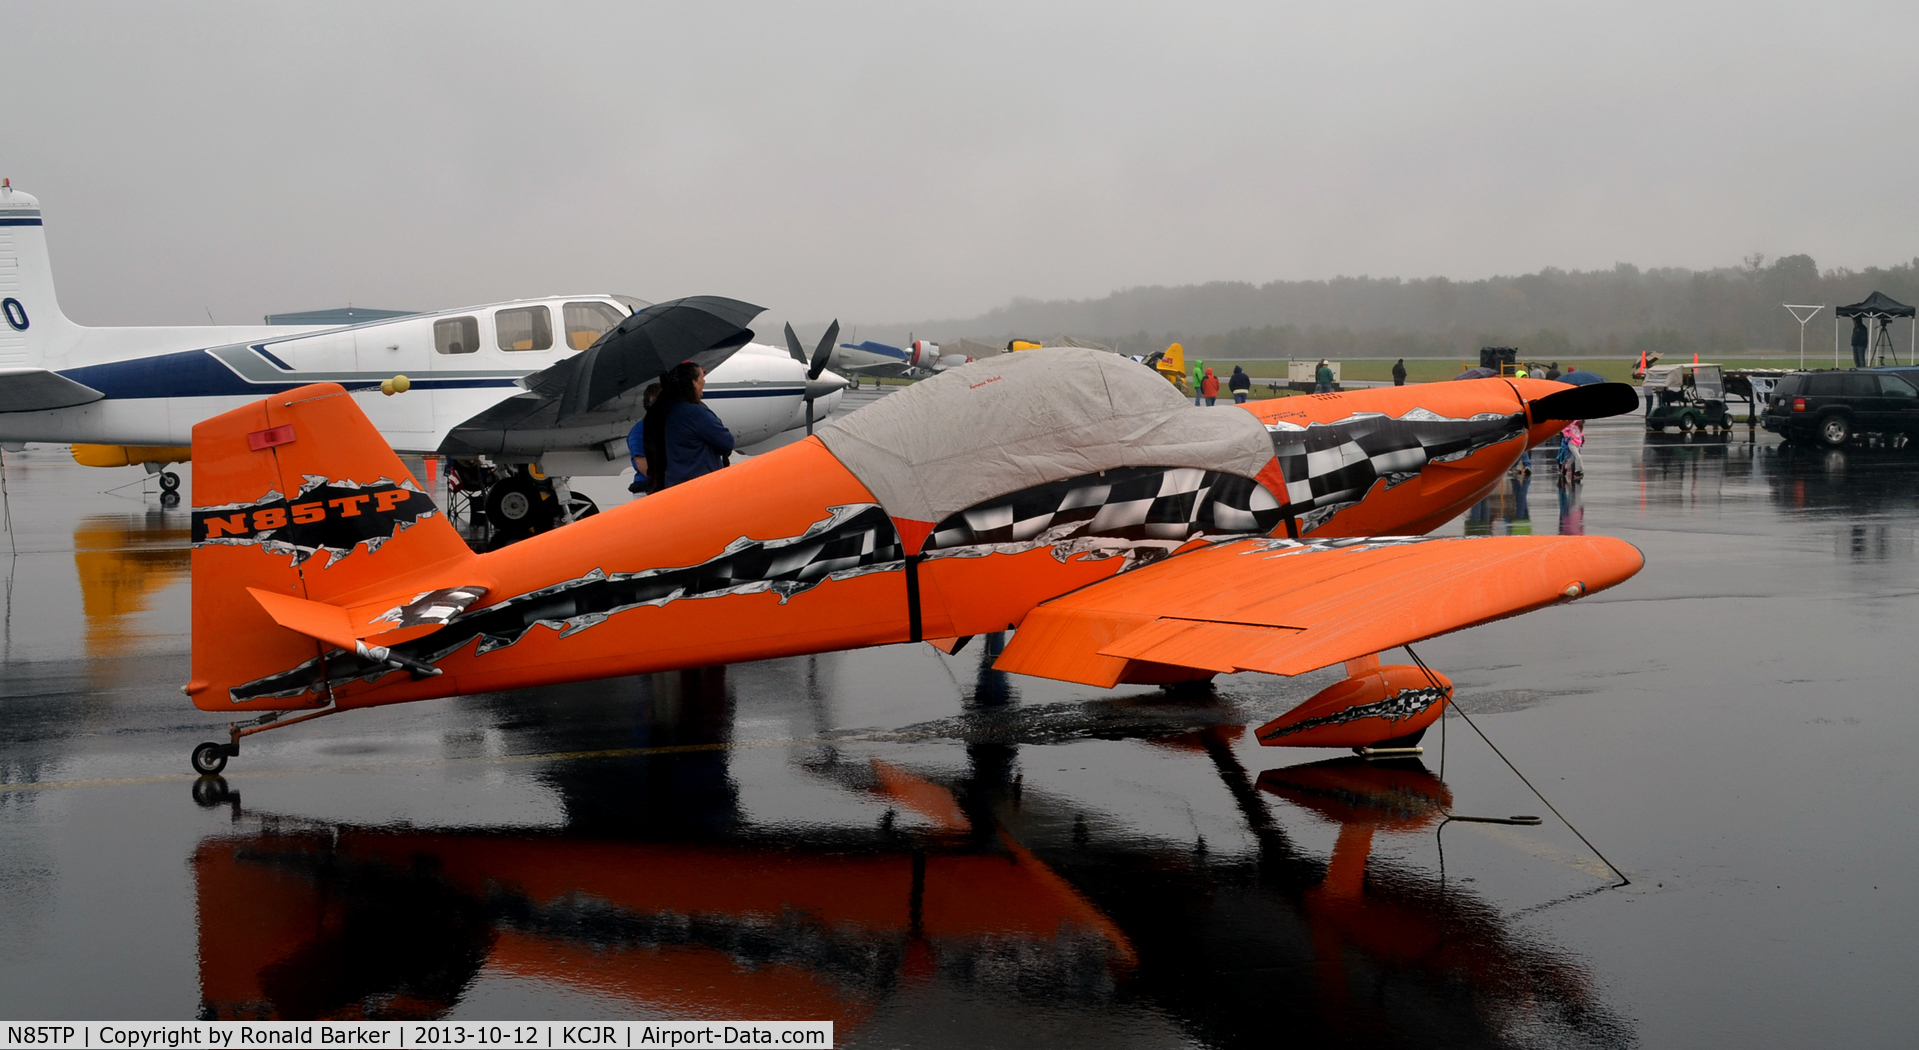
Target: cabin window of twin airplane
524	328
456	335
586	322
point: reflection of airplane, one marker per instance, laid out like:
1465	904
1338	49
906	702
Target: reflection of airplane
122	560
1070	493
497	380
301	920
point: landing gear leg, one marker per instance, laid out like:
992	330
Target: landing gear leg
210	758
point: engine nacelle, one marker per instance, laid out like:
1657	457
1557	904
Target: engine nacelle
1384	703
924	354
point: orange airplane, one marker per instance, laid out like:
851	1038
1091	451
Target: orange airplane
1072	495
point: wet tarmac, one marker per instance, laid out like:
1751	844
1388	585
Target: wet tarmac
934	854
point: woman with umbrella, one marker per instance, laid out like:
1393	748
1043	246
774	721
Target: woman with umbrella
683	438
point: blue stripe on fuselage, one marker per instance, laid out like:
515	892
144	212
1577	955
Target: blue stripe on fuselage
880	349
196	373
6	220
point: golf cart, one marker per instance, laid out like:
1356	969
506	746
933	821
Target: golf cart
1690	397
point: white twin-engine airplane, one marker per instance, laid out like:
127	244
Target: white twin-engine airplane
499	380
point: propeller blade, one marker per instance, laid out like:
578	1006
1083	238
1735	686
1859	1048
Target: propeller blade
1596	401
825	352
793	344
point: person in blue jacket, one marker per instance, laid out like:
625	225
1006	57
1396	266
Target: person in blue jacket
636	440
683	438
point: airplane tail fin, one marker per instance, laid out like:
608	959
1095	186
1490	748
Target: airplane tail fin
32	328
1174	361
304	516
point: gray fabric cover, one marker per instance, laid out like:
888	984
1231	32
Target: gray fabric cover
1023	419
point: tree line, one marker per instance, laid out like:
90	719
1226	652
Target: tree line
1549	314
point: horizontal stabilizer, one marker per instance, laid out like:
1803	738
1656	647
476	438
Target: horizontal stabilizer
1286	607
37	390
345	626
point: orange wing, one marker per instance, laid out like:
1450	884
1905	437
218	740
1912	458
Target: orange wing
1286	607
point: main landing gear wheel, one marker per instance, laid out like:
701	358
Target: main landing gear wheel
169	481
518	506
1835	431
210	758
582	506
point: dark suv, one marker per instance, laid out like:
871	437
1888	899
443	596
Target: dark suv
1834	407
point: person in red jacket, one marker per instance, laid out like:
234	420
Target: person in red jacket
1209	388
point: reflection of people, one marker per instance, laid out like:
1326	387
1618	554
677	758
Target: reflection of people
636	439
1572	515
1239	382
1859	340
1209	388
1399	372
1323	378
683	438
1521	523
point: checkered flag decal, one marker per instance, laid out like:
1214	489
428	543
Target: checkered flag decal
1331	466
1149	504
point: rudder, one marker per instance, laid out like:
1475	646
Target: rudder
296	494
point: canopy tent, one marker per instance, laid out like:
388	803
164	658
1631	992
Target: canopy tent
1881	308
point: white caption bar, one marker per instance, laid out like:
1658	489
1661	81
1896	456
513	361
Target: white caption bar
232	1035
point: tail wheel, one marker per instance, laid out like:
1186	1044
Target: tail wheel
209	758
1835	430
169	481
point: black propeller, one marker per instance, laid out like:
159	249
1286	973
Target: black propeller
821	356
1594	401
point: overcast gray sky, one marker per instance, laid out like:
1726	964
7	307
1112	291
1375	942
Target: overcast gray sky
893	162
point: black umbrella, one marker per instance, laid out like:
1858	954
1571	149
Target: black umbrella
1476	373
703	329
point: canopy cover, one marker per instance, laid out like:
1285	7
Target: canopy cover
1706	379
1019	420
1878	304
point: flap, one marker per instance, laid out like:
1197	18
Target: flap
1286	607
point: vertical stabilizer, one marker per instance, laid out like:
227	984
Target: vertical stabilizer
32	328
297	495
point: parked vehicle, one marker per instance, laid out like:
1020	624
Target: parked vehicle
1834	407
1690	397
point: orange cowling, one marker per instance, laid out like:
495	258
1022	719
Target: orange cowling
1385	704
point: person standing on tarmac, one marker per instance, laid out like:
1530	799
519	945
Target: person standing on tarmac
1323	378
1399	372
1209	388
1860	338
1199	379
1239	382
636	440
683	438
